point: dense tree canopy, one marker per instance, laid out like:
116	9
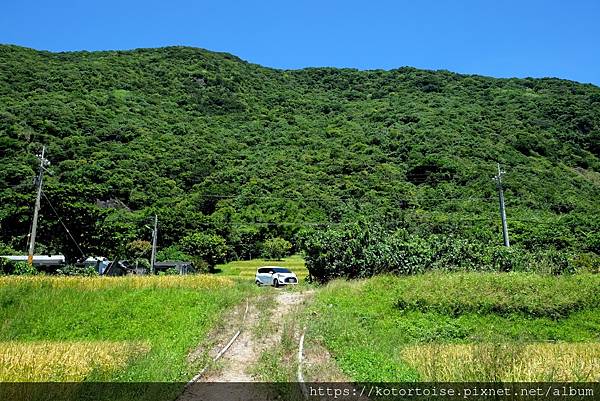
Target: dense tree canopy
216	145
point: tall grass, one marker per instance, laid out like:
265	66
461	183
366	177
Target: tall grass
503	294
368	324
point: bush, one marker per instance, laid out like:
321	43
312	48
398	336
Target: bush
70	270
138	249
587	262
554	262
505	259
169	272
24	269
355	252
200	265
394	254
4	266
276	248
141	263
452	253
172	253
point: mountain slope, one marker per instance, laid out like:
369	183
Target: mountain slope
212	143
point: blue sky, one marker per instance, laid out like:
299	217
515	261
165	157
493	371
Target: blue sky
558	38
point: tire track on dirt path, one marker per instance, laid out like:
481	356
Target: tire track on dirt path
245	351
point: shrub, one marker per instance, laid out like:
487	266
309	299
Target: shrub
143	263
355	252
24	269
395	254
587	262
71	270
172	253
453	253
200	265
169	272
138	249
4	266
505	259
276	248
554	262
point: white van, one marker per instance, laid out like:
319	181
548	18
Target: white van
275	276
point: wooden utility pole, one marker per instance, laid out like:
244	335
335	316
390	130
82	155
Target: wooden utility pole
498	179
43	163
154	235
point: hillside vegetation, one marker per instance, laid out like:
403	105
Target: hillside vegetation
214	144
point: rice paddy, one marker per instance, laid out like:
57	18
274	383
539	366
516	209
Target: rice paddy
506	362
431	327
73	361
200	281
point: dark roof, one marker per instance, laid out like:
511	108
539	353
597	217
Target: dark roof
171	263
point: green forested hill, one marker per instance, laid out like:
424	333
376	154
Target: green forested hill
214	144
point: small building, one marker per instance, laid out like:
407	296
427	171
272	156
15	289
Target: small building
99	263
123	268
181	266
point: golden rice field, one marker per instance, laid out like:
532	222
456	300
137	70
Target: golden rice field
200	281
512	362
46	361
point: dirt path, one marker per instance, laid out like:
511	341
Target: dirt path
246	349
235	364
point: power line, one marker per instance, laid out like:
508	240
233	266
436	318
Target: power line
341	198
408	220
15	186
63	224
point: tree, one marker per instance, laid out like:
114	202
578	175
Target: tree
211	248
139	252
171	253
138	249
276	248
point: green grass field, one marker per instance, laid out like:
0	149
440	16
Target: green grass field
520	327
109	329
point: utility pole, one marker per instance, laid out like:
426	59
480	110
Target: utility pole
154	235
43	163
498	179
